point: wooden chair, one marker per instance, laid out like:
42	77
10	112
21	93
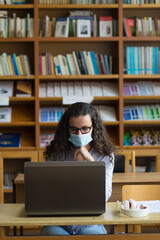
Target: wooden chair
1	179
31	155
142	193
129	157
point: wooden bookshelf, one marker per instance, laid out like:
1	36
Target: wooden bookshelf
25	111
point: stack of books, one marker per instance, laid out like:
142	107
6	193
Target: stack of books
78	23
16	26
10	139
146	26
46	138
141	60
107	113
141	112
141	137
11	65
12	1
5	114
76	63
141	88
49	114
61	89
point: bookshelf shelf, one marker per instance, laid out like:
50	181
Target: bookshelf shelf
17	77
18	124
141	97
17	149
59	99
49	124
143	147
140	6
9	190
146	122
76	39
155	76
141	39
113	123
79	77
17	6
22	99
78	6
26	39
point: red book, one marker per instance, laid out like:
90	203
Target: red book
129	27
102	64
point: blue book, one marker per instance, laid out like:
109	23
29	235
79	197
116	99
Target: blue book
81	17
127	114
128	63
138	58
10	139
93	59
106	63
133	115
140	112
132	60
16	65
43	115
68	66
156	59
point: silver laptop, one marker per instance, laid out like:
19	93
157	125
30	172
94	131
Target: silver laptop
64	188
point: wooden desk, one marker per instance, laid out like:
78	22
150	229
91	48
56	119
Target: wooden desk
14	215
119	179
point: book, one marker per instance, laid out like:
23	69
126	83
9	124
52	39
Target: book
94	63
24	89
129	27
62	27
50	89
105	26
71	64
107	113
6	88
110	89
46	138
86	88
10	139
96	89
42	90
5	114
83	28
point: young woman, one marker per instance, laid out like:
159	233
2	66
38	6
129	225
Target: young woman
80	136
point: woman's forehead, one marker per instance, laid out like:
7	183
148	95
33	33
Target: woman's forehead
80	121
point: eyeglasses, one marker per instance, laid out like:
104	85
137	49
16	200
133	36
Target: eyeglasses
83	130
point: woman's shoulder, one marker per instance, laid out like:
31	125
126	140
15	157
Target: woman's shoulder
101	157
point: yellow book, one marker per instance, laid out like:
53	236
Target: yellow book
10	65
24	89
19	65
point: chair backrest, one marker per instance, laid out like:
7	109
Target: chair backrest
1	179
31	155
141	192
129	157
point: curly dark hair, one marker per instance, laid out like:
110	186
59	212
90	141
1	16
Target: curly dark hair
59	147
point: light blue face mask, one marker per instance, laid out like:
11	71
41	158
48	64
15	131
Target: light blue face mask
80	140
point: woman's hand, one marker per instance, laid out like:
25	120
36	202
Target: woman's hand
82	154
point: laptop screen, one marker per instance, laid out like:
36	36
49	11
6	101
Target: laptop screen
64	188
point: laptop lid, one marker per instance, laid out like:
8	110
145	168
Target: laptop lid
64	188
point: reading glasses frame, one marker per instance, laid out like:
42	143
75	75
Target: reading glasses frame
83	130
